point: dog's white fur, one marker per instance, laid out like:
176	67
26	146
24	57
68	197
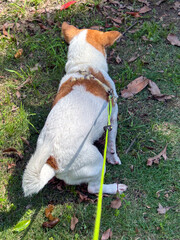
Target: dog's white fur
67	125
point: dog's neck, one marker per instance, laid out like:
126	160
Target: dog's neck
82	55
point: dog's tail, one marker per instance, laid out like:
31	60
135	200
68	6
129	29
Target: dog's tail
37	172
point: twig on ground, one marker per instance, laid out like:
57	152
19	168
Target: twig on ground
132	143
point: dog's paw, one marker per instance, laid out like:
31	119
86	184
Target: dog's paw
121	188
113	158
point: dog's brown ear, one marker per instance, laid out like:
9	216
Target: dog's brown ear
108	38
69	31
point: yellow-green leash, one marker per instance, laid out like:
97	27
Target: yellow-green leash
99	205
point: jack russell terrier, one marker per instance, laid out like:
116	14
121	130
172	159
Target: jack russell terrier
65	147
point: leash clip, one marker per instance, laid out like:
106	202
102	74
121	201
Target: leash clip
108	127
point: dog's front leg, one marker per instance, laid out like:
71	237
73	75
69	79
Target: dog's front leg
112	156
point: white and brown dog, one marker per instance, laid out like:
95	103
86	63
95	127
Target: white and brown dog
73	118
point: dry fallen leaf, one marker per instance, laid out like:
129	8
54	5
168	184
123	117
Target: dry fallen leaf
43	26
159	2
154	88
133	58
107	235
155	91
50	224
25	141
173	39
145	9
116	20
176	5
134	87
74	221
10	165
19	53
116	203
162	210
118	59
156	158
48	211
52	220
11	150
18	94
134	14
5	32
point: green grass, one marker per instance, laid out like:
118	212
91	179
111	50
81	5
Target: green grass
151	123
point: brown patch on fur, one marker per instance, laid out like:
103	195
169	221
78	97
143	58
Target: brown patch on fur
90	85
100	40
52	162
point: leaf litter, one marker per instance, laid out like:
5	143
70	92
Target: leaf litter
53	221
162	210
173	39
116	204
139	84
156	158
74	221
12	151
107	235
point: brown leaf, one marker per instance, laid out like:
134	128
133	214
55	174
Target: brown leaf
118	59
145	38
154	88
18	94
43	26
159	2
144	1
156	158
162	210
19	53
11	150
173	39
74	221
25	141
176	5
5	32
134	14
116	203
50	224
107	234
155	91
116	20
145	9
133	58
134	87
10	165
48	211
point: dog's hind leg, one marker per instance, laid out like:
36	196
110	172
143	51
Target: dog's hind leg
112	156
92	172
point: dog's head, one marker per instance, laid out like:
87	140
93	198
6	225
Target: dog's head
99	40
87	47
